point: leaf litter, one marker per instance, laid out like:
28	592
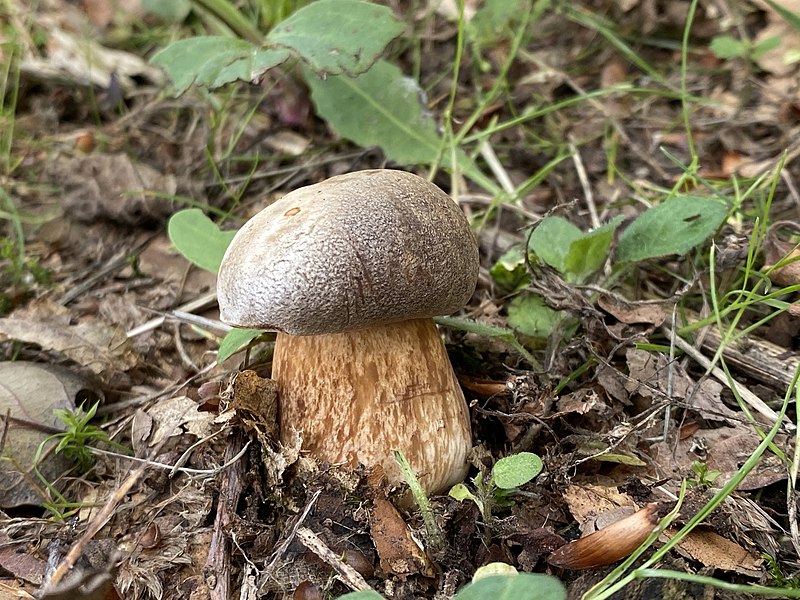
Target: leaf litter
209	502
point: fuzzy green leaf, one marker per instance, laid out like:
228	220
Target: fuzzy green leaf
198	238
361	33
529	315
587	253
674	227
551	239
516	470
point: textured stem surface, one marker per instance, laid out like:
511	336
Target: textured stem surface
357	396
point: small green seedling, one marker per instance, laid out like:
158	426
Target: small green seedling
726	47
78	438
705	476
507	475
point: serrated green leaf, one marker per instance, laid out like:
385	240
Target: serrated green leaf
726	46
235	340
516	470
588	252
551	240
674	227
337	36
198	238
523	586
529	315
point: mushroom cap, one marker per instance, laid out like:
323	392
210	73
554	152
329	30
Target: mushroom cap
355	250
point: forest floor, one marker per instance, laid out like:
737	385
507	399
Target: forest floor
660	378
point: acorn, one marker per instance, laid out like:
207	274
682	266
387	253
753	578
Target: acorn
607	545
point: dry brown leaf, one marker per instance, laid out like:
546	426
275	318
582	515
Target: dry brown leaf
632	313
112	186
786	253
399	553
23	565
93	345
586	502
718	552
79	59
176	415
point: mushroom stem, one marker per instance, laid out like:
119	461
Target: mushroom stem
357	396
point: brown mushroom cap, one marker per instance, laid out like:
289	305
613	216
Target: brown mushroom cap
356	250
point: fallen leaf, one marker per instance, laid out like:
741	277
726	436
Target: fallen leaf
177	415
587	501
91	344
114	187
399	553
718	552
631	312
29	393
21	564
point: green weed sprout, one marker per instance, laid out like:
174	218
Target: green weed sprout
507	475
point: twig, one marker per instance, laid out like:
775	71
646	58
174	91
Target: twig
749	397
172	468
348	575
195	304
285	543
218	562
585	185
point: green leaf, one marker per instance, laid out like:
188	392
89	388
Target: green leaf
510	272
529	315
492	18
365	595
200	59
361	33
516	470
551	240
379	108
588	253
170	12
726	46
461	492
524	586
337	36
198	238
674	227
234	340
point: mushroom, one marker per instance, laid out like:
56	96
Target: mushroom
350	272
